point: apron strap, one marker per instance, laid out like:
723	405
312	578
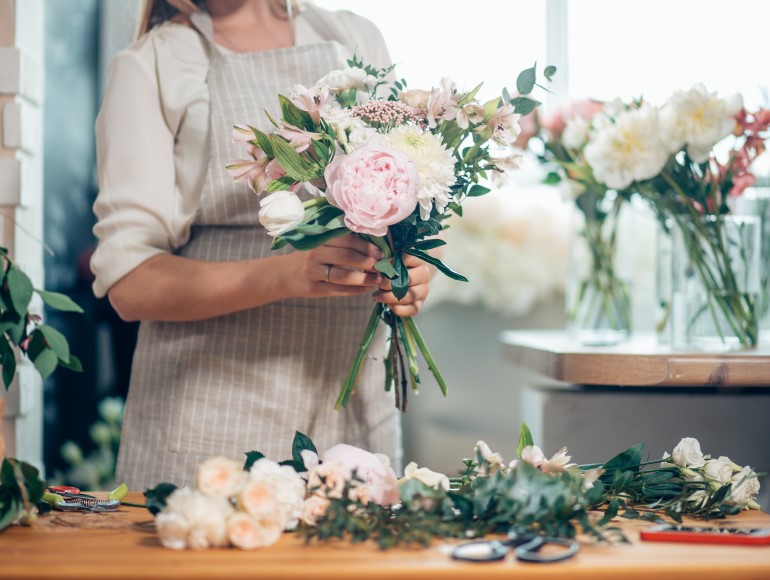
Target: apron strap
201	21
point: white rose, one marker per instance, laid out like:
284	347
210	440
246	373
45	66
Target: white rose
576	132
280	212
257	497
687	453
219	476
361	136
248	533
745	488
287	486
193	520
719	471
417	98
426	476
348	78
314	508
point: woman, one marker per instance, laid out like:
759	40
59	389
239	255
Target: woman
239	346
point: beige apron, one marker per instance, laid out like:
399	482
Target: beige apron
249	380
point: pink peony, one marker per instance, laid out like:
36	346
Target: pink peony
375	186
374	469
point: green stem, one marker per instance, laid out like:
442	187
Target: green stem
410	325
137	505
350	380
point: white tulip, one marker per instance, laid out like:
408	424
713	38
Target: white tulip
280	212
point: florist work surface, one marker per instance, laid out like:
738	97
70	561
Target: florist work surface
348	496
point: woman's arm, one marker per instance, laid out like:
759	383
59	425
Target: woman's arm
173	288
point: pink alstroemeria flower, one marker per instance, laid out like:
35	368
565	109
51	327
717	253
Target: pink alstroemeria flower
442	103
504	124
299	138
250	170
310	100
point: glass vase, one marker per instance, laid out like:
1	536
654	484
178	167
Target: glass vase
598	297
756	201
714	282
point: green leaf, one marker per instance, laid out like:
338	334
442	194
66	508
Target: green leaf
59	301
56	341
8	362
477	190
301	443
72	364
552	178
525	439
20	288
400	284
10	510
283	183
14	325
46	363
506	95
263	141
429	244
300	241
549	71
156	497
524	105
293	163
293	115
251	458
446	270
525	82
386	268
31	477
626	460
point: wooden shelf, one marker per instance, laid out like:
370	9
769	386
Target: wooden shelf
640	361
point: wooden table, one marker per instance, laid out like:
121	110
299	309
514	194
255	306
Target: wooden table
639	362
126	547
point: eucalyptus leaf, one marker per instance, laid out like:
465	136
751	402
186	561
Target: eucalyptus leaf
525	82
56	341
59	301
20	288
524	105
72	364
46	363
549	71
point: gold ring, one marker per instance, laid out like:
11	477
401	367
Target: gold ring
328	271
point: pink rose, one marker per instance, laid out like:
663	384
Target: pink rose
375	186
373	469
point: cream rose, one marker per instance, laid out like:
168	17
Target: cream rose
313	509
193	520
719	471
249	533
687	453
219	476
417	98
745	488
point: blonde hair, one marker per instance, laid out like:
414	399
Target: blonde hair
156	12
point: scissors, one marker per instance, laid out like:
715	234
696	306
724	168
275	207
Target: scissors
526	546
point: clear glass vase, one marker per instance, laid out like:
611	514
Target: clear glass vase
756	201
714	282
598	296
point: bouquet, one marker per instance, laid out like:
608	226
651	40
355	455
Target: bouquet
350	494
599	301
389	170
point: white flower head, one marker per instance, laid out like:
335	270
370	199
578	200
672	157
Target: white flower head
280	212
576	132
504	124
193	520
699	119
219	476
718	471
433	161
687	453
628	150
346	79
494	460
417	98
313	509
426	476
287	486
745	489
250	532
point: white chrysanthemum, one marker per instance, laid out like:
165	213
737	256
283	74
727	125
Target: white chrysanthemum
629	150
434	165
194	520
348	78
698	119
287	486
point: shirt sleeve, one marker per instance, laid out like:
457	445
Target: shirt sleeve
137	196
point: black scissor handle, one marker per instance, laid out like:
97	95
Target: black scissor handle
530	552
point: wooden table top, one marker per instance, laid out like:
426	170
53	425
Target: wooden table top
639	361
124	545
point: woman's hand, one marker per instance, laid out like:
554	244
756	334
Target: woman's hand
342	266
409	305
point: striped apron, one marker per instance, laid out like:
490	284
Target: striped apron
249	380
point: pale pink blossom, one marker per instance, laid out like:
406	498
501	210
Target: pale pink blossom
375	186
494	460
250	170
504	125
249	532
310	100
256	497
298	138
469	114
328	479
442	103
219	476
313	509
556	121
373	469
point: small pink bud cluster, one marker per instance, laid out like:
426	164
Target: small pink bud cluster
392	113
